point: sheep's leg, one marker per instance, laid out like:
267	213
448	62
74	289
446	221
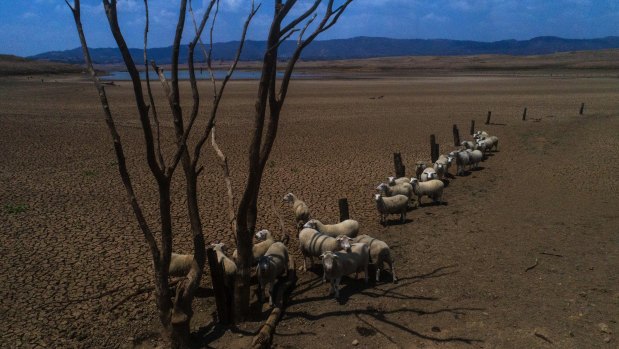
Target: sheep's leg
377	273
391	264
271	293
260	292
365	273
336	287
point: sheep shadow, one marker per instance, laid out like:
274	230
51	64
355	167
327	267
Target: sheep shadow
497	124
464	173
446	182
396	221
434	203
478	168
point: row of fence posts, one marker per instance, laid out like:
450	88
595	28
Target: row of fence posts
224	297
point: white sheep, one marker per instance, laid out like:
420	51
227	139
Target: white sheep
273	264
258	250
300	209
349	227
379	254
479	134
397	204
475	157
399	189
468	144
338	264
489	143
441	168
462	159
312	244
395	181
180	264
432	189
446	160
227	264
428	174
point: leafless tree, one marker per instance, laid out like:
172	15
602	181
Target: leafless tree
175	306
272	95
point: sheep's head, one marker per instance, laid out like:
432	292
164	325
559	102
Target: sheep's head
420	165
377	197
263	264
311	224
391	180
262	235
218	246
289	198
328	259
343	242
382	187
414	181
432	175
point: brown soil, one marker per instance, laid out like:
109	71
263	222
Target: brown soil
523	255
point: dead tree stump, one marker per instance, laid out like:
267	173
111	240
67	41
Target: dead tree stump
524	114
488	117
472	127
582	108
223	304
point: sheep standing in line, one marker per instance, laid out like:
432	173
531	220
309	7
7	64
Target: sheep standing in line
462	159
258	250
379	254
428	174
468	144
227	264
475	157
405	189
432	189
338	264
180	264
440	168
312	244
489	143
392	181
273	264
349	227
446	161
300	209
397	204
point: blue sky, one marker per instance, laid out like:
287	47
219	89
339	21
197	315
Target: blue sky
29	27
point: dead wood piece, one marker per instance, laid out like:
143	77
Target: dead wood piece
282	289
533	266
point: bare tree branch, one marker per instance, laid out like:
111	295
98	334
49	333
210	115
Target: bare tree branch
301	18
223	161
218	95
150	93
110	10
118	147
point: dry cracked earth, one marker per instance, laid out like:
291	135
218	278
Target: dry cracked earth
524	254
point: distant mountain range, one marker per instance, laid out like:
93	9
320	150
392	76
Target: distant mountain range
353	48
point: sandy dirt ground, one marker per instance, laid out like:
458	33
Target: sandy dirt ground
524	254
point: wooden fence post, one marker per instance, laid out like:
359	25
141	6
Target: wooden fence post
472	127
582	108
223	304
433	148
436	152
488	117
400	169
344	215
456	133
524	114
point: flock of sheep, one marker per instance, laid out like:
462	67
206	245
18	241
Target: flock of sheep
340	248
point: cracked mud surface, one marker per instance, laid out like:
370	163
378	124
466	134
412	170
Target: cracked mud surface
524	254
